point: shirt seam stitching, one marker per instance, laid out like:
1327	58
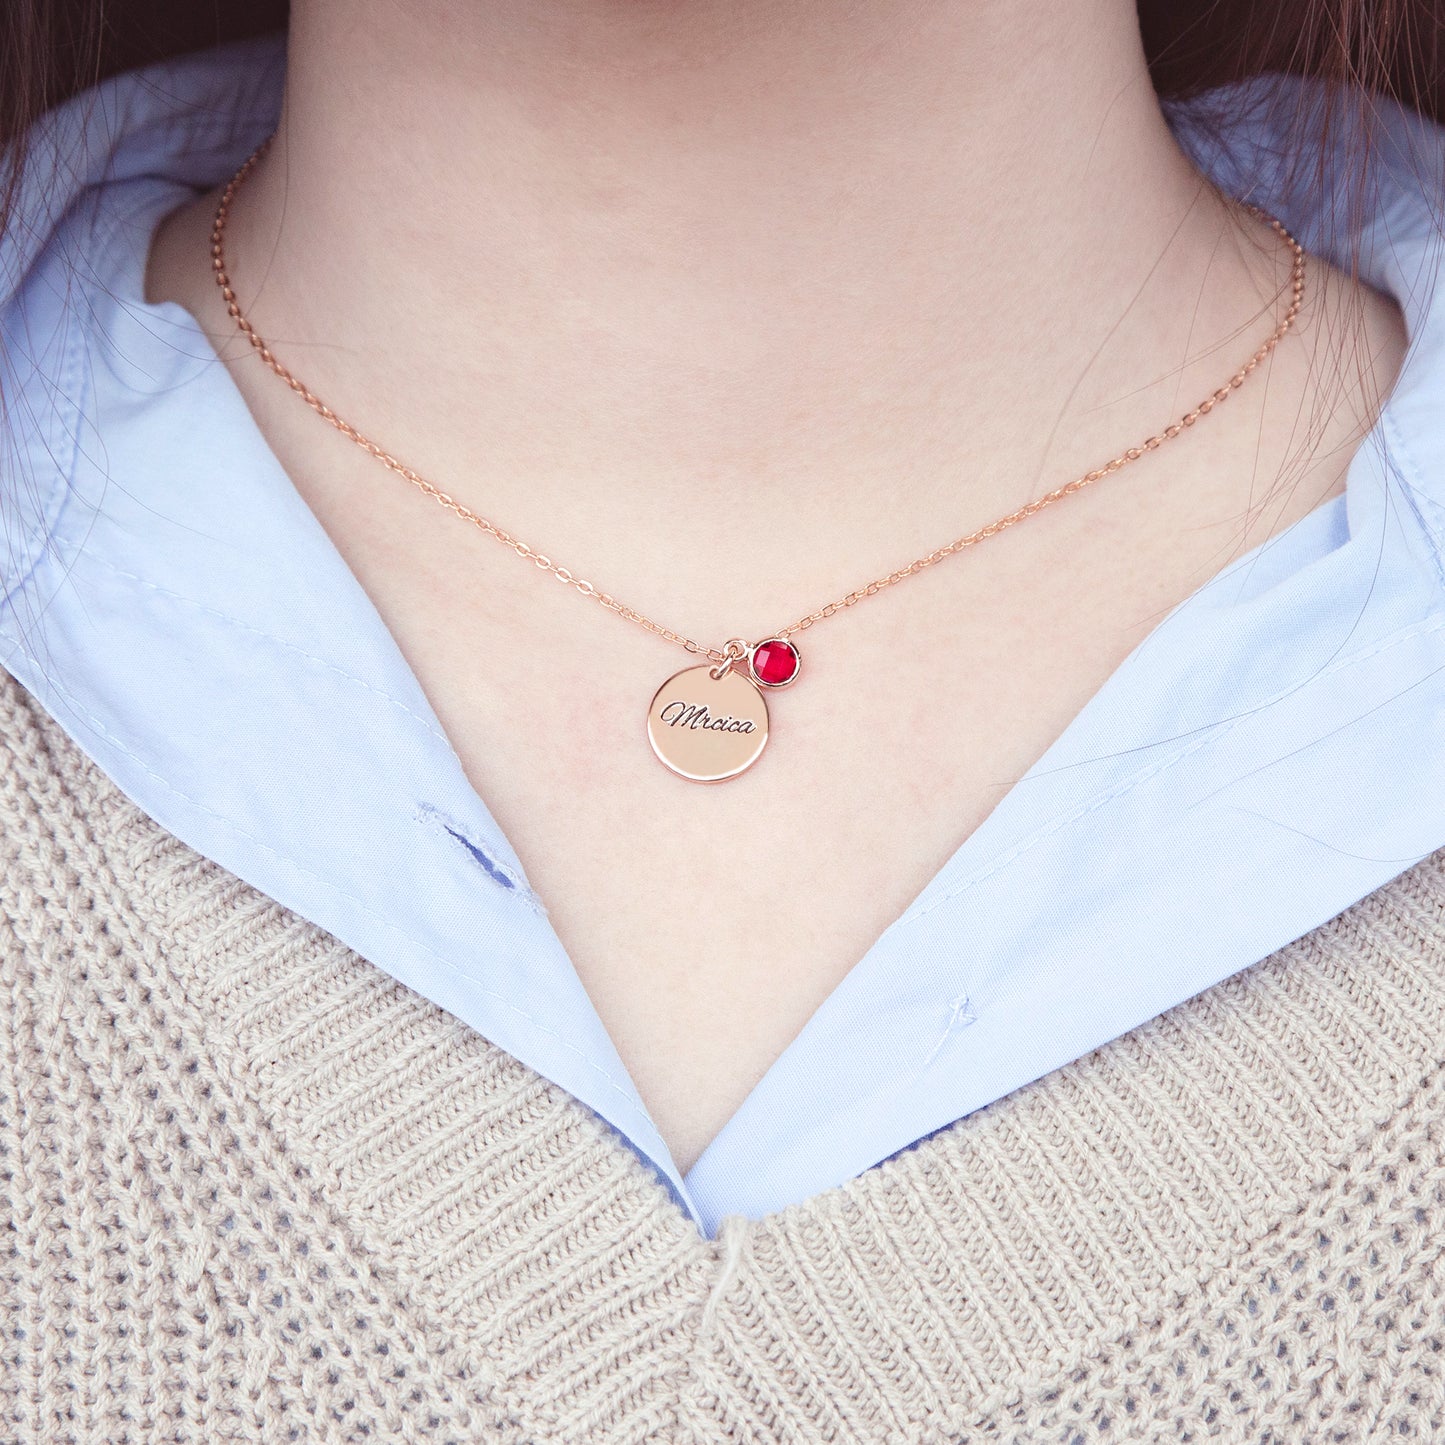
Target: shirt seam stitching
69	410
269	636
1417	497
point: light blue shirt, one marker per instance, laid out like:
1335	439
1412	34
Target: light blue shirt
1268	755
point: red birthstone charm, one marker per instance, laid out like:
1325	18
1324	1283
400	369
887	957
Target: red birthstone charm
774	662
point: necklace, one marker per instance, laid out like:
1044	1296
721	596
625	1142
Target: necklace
709	722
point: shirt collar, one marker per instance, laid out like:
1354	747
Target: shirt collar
139	617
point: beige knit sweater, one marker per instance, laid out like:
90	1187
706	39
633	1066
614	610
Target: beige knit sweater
254	1189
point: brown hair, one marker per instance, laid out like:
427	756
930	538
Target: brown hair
50	49
1381	47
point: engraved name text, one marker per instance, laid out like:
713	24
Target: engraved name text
679	714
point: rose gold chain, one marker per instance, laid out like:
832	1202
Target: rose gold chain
718	655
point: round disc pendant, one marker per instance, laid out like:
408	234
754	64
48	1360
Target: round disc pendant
708	728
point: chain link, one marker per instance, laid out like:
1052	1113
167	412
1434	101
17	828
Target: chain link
630	614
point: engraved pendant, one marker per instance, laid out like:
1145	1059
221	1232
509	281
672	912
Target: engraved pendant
710	723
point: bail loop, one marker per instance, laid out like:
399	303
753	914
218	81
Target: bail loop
735	649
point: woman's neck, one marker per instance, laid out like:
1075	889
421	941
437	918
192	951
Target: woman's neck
596	264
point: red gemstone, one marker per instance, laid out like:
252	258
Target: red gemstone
775	662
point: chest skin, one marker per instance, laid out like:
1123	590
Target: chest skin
707	923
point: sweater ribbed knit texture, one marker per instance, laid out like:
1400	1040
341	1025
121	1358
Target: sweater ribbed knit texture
254	1189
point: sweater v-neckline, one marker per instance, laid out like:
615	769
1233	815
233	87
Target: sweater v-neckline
1189	1166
